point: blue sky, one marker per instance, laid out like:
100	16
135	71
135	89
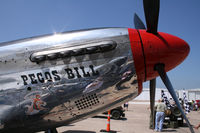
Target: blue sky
27	18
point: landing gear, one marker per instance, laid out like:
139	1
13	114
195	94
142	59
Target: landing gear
51	131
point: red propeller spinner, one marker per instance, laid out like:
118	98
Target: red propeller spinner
149	49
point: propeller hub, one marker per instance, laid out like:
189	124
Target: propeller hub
161	48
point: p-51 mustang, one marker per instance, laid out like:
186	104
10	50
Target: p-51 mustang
54	80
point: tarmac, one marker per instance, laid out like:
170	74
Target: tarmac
135	121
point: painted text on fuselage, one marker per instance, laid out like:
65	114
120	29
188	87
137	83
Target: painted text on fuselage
71	73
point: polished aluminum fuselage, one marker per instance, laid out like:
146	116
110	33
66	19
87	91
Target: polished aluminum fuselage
37	95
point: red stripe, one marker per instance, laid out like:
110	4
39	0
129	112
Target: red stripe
137	57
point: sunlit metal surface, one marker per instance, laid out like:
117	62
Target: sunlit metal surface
60	91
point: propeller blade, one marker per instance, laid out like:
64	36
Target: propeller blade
138	22
161	70
151	10
152	99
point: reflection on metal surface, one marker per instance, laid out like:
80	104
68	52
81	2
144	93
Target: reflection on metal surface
1	125
65	90
94	85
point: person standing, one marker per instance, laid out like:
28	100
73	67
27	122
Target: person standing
160	115
126	106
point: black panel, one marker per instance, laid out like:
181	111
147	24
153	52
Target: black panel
87	101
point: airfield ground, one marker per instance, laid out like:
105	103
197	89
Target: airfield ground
135	121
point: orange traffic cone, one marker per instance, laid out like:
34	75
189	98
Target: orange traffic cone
108	126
